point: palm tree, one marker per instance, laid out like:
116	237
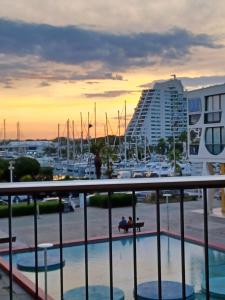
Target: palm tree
108	156
96	149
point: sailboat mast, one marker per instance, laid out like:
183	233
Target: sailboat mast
81	134
88	137
4	131
18	131
73	140
107	130
119	130
95	121
68	140
125	127
58	142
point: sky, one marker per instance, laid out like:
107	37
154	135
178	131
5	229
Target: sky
60	59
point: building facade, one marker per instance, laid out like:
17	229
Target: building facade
160	113
206	127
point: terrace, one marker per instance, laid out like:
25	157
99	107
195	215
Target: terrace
187	221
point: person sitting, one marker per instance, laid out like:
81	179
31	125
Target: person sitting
130	222
123	224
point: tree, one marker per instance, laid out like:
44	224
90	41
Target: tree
4	171
108	156
45	173
161	146
26	166
96	149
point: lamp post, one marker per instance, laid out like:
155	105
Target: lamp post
167	209
45	246
11	168
174	145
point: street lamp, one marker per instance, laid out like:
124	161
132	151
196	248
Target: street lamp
174	146
11	168
45	246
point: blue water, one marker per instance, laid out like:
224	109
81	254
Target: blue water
98	255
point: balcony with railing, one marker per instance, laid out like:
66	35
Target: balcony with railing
180	245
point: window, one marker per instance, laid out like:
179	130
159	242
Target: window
194	137
194	105
213	103
212	117
193	119
215	139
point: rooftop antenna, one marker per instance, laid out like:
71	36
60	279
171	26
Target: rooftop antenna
174	76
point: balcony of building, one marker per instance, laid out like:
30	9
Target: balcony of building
181	239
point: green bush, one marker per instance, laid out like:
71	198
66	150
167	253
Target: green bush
117	200
24	209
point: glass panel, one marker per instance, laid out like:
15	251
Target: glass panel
223	135
194	105
216	136
208	106
213	117
214	140
222	97
193	119
208	136
216	103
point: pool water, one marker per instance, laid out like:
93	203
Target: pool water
98	258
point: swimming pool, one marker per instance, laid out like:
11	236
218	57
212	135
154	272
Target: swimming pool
98	264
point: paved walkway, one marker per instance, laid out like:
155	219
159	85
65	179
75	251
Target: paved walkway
73	224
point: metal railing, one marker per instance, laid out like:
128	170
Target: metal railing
110	186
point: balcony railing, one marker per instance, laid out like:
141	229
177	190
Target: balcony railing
110	186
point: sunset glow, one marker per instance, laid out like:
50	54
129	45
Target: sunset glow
57	59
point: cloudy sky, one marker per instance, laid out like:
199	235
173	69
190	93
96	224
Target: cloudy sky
59	58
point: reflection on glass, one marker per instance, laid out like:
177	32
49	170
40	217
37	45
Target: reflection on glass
194	105
214	140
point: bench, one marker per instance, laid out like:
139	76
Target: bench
6	239
137	225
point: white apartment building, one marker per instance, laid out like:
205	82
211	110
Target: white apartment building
206	122
160	113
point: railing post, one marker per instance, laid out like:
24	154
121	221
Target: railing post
10	248
86	246
158	245
134	244
110	246
206	243
182	243
61	245
36	245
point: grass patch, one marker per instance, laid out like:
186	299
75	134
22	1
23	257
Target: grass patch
23	209
117	200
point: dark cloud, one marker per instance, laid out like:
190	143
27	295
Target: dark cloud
192	82
74	45
109	94
92	82
97	75
44	84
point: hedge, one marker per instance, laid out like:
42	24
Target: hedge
23	209
117	200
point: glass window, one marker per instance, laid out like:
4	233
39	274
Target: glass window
214	140
222	97
213	103
208	136
212	117
194	105
193	119
216	136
